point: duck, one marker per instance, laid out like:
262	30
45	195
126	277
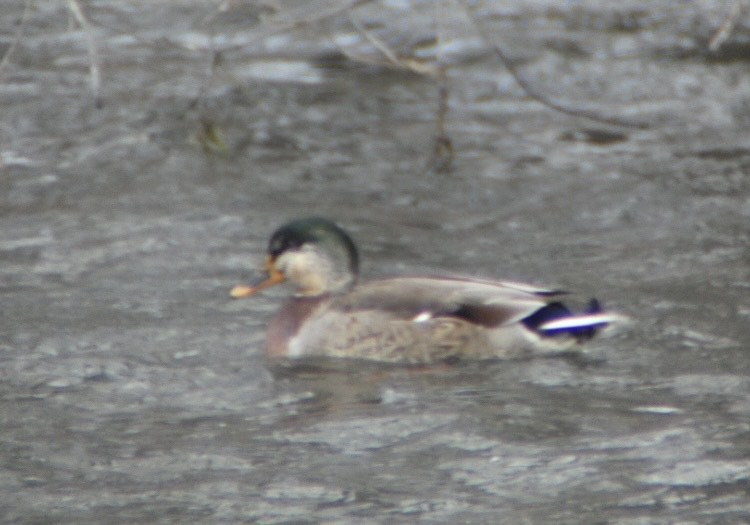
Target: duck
406	320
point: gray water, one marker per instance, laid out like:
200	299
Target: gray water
134	391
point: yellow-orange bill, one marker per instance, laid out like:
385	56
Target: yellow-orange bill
240	291
273	278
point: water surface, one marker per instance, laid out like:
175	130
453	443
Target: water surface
134	391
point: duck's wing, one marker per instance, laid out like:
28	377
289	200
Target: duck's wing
487	303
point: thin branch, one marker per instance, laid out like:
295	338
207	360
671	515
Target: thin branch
375	41
94	68
392	59
442	154
16	38
532	92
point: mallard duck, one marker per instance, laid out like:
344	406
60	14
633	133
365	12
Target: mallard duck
405	319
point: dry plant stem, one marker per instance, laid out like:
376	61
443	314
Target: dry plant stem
442	113
727	26
442	154
214	60
443	146
540	97
443	149
375	41
16	38
391	59
75	9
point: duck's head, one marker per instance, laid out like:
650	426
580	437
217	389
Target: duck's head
314	254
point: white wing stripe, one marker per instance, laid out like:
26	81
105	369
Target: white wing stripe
579	321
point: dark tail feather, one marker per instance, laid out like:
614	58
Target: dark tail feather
556	319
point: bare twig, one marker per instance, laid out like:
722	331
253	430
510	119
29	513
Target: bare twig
443	148
375	41
94	69
391	59
727	26
16	38
531	91
442	155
